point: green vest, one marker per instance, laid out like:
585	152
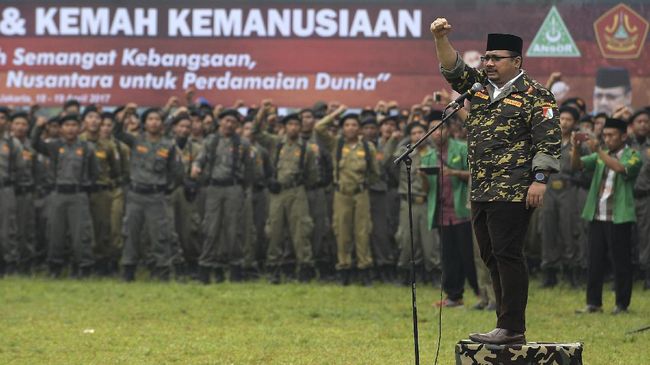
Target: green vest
623	210
457	160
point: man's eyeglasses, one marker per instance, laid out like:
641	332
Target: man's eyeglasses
495	58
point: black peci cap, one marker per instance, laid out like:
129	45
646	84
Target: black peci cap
616	123
613	77
505	42
573	111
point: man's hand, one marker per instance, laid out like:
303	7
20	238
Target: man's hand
440	28
593	144
535	197
196	171
339	110
41	121
622	112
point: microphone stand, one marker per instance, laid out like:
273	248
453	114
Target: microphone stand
406	158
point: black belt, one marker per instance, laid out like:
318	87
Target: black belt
223	183
357	189
148	188
100	187
6	183
22	190
70	189
291	185
641	193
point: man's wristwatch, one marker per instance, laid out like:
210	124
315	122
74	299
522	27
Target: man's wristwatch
541	177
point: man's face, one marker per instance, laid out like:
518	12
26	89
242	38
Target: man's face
607	100
586	127
350	128
247	130
292	129
3	120
501	66
567	122
153	123
19	128
69	130
182	128
387	129
370	132
440	135
106	128
53	130
71	109
416	134
641	125
132	122
197	127
208	121
228	124
308	121
91	122
613	138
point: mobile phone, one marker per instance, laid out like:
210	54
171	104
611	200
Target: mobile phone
582	136
433	170
436	97
393	112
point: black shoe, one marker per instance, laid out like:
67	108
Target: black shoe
274	276
128	273
550	278
479	306
219	275
364	278
204	275
436	278
306	274
344	277
236	274
619	310
499	336
289	271
11	268
85	272
55	271
180	272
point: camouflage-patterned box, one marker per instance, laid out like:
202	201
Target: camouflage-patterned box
532	353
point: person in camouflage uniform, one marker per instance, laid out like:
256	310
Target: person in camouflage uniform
514	143
10	152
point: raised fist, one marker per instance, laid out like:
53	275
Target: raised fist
440	28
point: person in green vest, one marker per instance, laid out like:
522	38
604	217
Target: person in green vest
610	211
450	213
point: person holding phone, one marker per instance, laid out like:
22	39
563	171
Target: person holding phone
610	211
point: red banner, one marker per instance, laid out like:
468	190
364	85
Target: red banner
295	52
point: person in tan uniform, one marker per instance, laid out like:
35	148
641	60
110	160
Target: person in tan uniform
355	168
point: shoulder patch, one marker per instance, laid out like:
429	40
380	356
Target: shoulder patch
547	112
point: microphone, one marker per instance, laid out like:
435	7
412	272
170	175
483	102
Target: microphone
469	93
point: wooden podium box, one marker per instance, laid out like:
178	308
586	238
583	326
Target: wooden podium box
532	353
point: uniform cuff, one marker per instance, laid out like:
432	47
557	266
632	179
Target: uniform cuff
455	71
543	161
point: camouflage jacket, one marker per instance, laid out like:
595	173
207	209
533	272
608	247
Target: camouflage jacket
508	137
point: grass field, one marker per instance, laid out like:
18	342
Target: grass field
108	322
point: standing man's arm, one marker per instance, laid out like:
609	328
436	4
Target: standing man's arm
37	142
321	127
460	76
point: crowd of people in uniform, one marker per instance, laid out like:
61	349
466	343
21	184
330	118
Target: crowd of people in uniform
205	193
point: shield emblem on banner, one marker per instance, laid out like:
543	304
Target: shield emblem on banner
621	32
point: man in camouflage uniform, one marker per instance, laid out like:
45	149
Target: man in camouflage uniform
295	169
101	194
75	171
226	161
514	144
10	152
153	166
355	168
